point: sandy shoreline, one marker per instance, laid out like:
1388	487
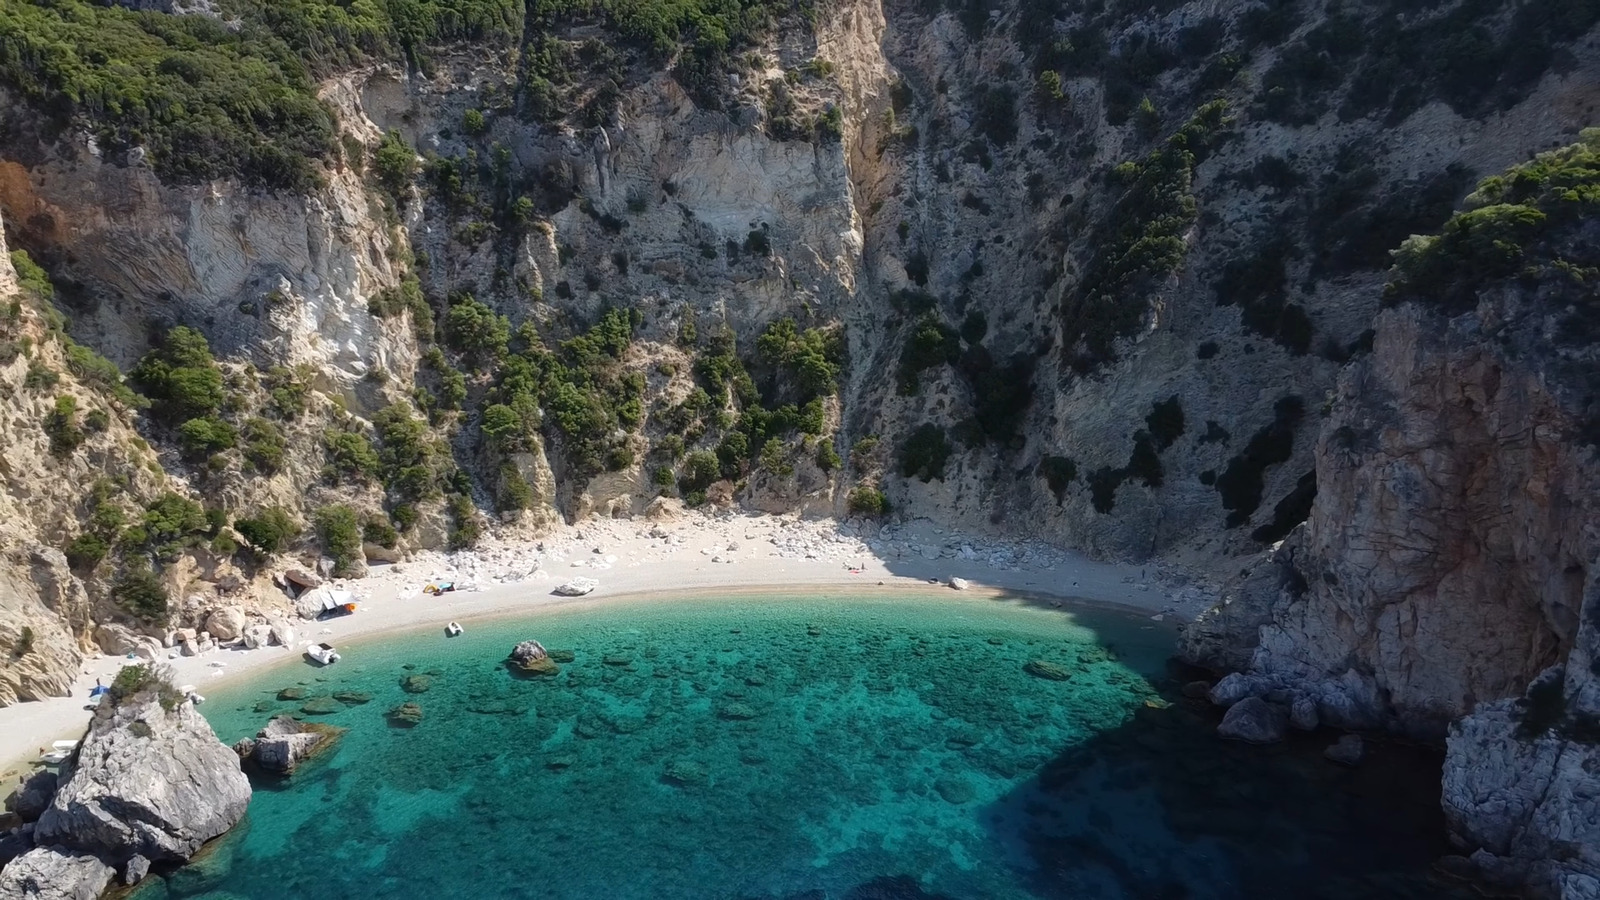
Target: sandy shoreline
632	561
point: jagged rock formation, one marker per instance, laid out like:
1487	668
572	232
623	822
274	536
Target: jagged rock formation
1448	565
150	780
52	873
283	744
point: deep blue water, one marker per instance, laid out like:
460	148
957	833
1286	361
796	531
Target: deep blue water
824	747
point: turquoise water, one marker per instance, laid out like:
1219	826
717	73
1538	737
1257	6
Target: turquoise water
821	747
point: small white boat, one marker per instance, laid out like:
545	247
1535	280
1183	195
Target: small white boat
453	629
59	752
323	654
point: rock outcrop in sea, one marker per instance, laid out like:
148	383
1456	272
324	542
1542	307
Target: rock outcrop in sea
149	784
284	743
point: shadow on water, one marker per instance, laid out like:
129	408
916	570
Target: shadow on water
1161	808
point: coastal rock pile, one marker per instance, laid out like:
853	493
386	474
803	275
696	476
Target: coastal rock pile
284	743
530	658
150	783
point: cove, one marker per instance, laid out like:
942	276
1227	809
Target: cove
821	746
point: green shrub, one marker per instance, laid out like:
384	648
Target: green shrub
465	529
268	532
205	437
1059	472
24	644
514	491
473	123
813	358
264	445
861	454
350	456
171	523
139	594
140	678
61	425
85	552
700	469
827	457
31	277
867	501
775	458
395	164
377	530
930	343
339	531
663	477
1139	241
925	452
40	376
1165	422
476	330
95	370
181	376
1241	483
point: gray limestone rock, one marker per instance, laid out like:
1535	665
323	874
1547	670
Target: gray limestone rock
147	780
227	623
135	871
1255	721
1303	713
54	873
281	745
33	796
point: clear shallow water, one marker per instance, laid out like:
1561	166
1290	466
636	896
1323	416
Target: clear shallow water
823	747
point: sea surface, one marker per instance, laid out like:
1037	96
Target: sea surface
818	746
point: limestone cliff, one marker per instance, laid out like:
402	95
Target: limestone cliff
1445	580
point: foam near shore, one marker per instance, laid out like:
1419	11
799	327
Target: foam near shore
631	558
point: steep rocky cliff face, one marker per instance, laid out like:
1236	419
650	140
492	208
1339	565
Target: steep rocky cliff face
1106	272
1444	581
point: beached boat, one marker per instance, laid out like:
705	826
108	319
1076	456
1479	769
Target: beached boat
453	629
59	752
323	654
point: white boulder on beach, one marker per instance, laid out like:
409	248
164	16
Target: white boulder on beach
577	587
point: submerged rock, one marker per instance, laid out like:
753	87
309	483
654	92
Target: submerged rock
321	706
684	772
406	715
955	790
530	658
562	656
416	684
150	779
1040	668
1255	721
737	712
292	693
1347	751
284	743
352	698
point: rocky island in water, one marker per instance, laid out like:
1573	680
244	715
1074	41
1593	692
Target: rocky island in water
1275	322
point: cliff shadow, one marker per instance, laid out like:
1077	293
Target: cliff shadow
1162	808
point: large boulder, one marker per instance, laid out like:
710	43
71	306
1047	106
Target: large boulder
281	632
257	636
530	658
54	873
150	779
227	623
33	796
1255	721
283	744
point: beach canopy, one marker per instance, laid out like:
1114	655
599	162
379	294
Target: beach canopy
334	599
